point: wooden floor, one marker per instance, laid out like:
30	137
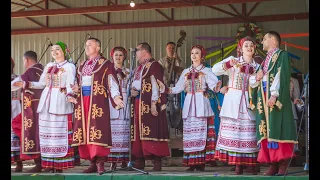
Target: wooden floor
211	171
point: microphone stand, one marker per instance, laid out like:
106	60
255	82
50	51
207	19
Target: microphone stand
129	166
44	52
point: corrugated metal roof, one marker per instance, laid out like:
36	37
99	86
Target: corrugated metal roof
23	4
156	37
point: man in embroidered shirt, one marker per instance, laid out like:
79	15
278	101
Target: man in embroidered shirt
92	130
30	97
276	133
149	128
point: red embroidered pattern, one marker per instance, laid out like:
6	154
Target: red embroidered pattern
236	128
266	63
237	143
53	149
189	144
88	66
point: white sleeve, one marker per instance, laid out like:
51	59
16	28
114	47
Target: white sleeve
212	80
71	74
219	69
179	87
274	89
155	89
41	84
253	82
296	89
16	80
114	87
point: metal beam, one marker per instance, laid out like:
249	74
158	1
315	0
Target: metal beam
159	11
24	5
46	5
88	16
30	19
253	8
229	13
109	1
234	9
109	14
32	4
36	22
124	7
172	13
244	9
190	22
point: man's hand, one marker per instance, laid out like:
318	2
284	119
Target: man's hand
224	90
18	84
75	88
72	100
297	101
134	92
174	55
118	101
259	75
154	111
272	101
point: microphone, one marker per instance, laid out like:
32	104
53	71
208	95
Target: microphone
88	35
49	42
132	49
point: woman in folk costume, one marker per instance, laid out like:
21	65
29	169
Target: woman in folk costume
120	125
15	111
197	114
237	141
55	111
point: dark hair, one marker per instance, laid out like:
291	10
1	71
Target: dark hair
31	55
146	47
276	35
95	39
171	43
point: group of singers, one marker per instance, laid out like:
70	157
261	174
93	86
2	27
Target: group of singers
99	107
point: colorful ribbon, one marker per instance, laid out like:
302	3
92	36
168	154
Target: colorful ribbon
226	54
219	46
294	35
214	38
296	46
218	52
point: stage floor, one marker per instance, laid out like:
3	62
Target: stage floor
167	173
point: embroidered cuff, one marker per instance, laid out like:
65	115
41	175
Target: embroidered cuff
274	93
226	65
26	84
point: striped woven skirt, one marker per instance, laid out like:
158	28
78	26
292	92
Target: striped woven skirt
237	143
61	162
206	155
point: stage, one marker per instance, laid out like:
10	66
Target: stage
167	173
